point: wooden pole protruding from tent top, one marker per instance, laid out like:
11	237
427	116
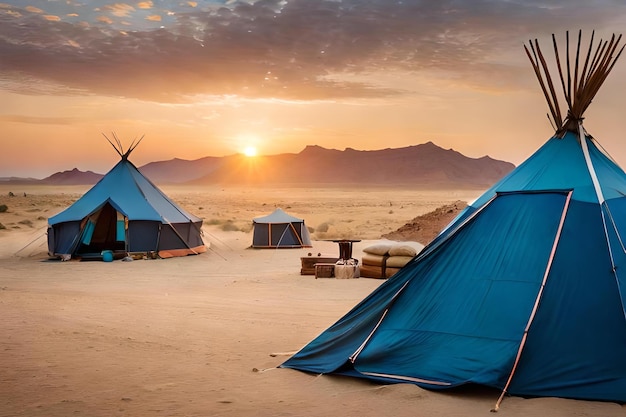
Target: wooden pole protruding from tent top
580	88
119	148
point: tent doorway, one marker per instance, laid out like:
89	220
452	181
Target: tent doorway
104	229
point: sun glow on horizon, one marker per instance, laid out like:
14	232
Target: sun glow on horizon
250	151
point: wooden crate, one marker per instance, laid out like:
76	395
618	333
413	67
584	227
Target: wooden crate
308	263
324	270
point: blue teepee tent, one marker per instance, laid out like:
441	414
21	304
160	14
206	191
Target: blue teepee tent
124	212
524	291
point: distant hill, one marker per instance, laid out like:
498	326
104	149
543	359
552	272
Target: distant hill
425	165
72	177
180	170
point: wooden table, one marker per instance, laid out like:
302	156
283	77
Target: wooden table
345	248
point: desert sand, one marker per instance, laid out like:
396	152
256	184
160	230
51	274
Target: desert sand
203	335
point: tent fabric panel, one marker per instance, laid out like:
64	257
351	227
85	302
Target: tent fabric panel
576	345
435	289
278	216
162	204
330	350
63	237
170	253
261	235
424	336
143	236
120	227
177	236
87	233
615	213
539	172
282	235
612	176
194	236
305	236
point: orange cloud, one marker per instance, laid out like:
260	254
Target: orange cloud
104	19
119	9
192	3
33	9
145	5
154	18
52	18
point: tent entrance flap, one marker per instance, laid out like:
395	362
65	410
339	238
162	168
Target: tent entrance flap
105	229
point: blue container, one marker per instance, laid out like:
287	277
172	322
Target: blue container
107	255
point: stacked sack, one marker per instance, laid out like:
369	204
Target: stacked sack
383	259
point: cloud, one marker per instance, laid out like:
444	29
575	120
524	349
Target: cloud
145	5
104	19
33	9
299	49
119	9
36	120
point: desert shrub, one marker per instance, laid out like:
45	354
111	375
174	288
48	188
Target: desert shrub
321	236
229	226
3	208
311	229
323	228
26	222
247	228
213	222
2	226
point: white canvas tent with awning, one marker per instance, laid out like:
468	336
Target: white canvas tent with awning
280	230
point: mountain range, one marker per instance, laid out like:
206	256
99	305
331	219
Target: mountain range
424	165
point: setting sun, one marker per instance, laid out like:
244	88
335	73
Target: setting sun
249	151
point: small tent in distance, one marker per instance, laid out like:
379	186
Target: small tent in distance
124	213
280	230
525	290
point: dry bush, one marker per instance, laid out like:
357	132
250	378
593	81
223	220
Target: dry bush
323	227
229	226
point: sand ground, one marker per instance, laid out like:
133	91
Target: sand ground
203	335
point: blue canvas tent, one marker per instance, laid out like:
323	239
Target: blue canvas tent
524	291
280	230
124	213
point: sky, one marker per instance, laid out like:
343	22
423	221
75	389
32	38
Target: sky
212	78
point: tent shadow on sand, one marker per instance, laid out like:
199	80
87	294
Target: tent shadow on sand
525	290
124	213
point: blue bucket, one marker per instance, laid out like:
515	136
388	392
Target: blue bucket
107	255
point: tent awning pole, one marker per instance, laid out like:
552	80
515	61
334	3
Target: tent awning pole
557	237
295	232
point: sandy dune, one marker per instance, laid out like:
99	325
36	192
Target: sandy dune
203	335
